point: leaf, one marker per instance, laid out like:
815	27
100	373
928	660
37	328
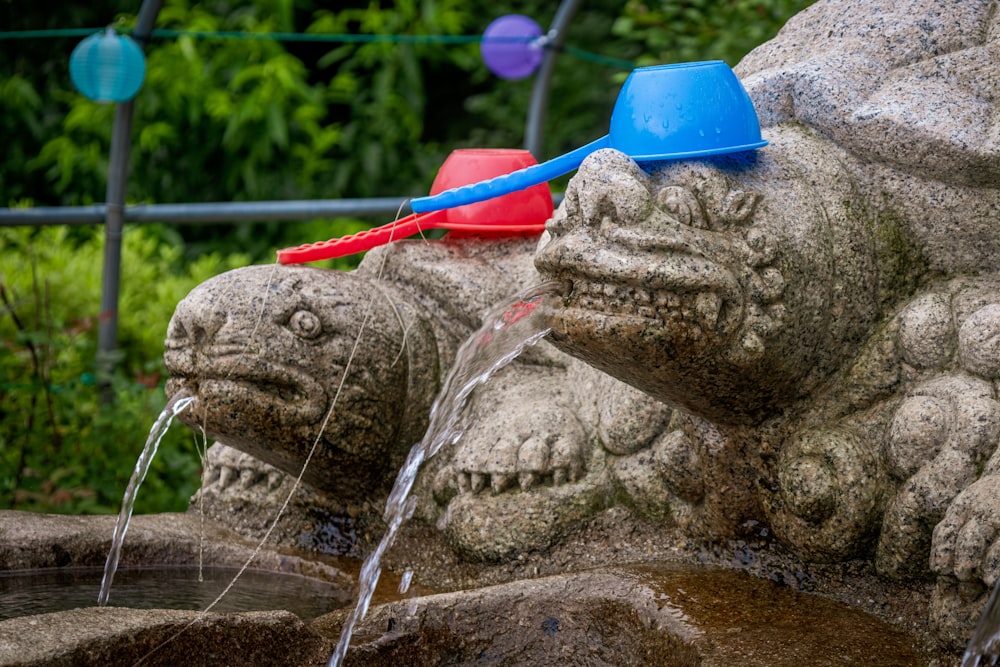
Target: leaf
154	135
277	126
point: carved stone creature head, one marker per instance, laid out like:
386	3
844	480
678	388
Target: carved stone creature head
729	286
264	350
732	286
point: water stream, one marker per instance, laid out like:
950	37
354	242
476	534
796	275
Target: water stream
984	646
507	330
174	406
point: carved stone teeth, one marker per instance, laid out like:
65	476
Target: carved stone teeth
212	475
500	482
708	305
647	312
247	478
226	476
703	309
477	482
527	480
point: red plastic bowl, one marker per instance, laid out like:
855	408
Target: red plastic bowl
520	212
532	205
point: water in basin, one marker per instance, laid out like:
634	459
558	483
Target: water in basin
41	591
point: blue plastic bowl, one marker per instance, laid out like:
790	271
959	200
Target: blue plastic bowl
664	112
670	112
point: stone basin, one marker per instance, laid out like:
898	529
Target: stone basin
652	615
639	615
68	545
663	614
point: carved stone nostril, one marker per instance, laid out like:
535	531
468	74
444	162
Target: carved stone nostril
610	185
194	322
680	204
809	488
189	333
196	334
595	206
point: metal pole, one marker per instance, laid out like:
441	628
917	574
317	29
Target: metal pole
543	79
211	212
107	328
121	144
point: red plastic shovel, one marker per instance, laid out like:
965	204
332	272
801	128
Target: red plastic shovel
523	211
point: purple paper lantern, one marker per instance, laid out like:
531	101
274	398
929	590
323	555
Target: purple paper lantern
510	46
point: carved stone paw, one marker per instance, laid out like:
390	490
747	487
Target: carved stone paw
965	554
526	442
966	543
519	435
938	441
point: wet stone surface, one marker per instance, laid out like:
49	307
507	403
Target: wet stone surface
784	362
674	616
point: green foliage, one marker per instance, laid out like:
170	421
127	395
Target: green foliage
688	30
34	89
378	94
242	120
252	119
61	449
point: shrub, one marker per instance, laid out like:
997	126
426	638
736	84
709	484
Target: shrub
63	449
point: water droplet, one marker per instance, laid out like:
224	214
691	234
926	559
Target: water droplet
404	582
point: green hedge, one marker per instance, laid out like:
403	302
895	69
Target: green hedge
231	120
61	449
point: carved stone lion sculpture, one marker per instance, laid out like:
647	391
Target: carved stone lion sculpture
805	335
829	304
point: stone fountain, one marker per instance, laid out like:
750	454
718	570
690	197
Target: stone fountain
766	425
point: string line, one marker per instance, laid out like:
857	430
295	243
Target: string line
341	38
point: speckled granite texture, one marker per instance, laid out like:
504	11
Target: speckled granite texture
803	338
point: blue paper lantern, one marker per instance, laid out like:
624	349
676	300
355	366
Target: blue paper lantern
107	67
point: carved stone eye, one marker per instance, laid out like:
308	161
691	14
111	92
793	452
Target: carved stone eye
305	324
681	204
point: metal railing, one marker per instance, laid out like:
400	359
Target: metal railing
214	212
114	213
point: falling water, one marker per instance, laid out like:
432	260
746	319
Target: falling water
174	406
506	332
984	647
